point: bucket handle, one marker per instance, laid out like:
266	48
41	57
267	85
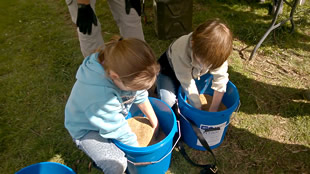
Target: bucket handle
153	162
234	114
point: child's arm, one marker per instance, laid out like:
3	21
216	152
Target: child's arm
193	94
183	71
219	84
106	116
216	101
111	123
147	109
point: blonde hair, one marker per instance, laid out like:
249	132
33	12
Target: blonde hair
212	43
132	59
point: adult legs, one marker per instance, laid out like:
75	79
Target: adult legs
129	24
88	43
103	152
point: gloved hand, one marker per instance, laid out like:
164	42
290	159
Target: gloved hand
133	4
85	18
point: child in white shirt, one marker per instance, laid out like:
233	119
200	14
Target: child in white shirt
191	56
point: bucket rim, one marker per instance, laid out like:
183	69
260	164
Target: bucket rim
44	163
151	148
230	109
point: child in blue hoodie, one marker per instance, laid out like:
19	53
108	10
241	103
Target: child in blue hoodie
108	83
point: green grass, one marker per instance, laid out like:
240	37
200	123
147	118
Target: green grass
40	53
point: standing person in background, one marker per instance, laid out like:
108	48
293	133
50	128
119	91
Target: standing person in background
191	56
126	14
108	83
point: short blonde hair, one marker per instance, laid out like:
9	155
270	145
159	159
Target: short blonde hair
212	43
133	60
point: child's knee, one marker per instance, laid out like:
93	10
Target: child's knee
167	96
113	166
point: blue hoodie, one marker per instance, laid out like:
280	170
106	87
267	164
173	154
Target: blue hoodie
97	104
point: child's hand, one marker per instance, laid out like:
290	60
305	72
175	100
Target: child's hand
216	100
213	109
156	131
147	109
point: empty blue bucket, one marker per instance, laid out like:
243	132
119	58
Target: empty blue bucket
154	159
46	168
213	125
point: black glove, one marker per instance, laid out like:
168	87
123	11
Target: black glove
133	4
85	18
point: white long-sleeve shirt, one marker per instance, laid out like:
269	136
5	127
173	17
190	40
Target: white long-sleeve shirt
187	69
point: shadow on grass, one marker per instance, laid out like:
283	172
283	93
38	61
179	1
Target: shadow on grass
249	21
262	98
245	152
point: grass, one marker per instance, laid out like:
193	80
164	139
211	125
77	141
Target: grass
39	56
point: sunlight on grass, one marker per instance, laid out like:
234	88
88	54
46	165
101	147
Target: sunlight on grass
40	54
57	159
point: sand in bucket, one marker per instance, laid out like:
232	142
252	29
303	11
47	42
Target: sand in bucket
206	102
141	126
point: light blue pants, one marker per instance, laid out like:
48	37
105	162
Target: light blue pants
103	152
167	89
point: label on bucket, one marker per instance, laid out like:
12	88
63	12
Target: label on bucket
212	133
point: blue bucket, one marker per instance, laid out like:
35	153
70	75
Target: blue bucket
154	159
213	125
46	168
